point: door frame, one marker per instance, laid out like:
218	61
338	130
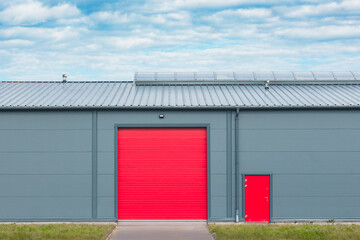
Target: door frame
162	125
270	192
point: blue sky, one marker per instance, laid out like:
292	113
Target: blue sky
110	40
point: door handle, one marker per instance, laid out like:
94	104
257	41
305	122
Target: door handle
267	199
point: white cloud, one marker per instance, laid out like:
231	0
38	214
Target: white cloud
112	65
33	12
81	20
110	17
128	42
150	38
320	33
168	5
229	14
250	13
16	43
206	3
39	34
179	18
178	39
343	7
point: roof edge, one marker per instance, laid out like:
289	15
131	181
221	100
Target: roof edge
80	81
124	108
199	83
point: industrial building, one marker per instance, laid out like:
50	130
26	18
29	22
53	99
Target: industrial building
230	146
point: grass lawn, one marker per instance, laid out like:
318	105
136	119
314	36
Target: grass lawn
55	231
279	232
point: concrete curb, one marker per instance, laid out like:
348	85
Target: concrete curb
112	233
44	223
161	223
288	223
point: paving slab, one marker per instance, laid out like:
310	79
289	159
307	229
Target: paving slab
157	232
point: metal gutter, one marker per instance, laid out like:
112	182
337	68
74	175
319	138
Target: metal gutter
237	183
180	107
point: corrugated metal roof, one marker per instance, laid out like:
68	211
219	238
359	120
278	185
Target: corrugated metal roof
19	95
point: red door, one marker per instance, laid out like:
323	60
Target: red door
257	207
162	174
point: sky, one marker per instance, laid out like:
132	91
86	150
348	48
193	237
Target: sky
111	40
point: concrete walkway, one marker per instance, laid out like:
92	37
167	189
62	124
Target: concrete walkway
160	232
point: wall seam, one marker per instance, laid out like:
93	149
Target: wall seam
94	164
229	162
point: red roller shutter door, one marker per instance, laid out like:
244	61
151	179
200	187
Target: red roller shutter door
162	174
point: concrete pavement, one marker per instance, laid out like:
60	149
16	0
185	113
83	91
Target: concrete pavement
161	232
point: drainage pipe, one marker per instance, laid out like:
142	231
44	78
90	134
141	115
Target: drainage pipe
237	178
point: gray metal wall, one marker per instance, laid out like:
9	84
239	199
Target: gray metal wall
45	165
59	165
49	161
314	157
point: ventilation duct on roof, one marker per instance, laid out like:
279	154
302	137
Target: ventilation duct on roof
267	84
64	78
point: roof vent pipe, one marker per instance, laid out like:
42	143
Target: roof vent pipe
64	78
267	82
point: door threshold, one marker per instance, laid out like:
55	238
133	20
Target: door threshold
161	222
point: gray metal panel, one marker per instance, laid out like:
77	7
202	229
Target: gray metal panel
301	162
218	142
329	119
106	140
105	163
218	185
43	120
218	166
106	207
316	207
46	185
313	157
45	140
106	185
45	165
218	207
309	185
38	208
300	140
104	95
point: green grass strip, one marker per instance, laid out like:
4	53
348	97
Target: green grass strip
55	231
282	232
